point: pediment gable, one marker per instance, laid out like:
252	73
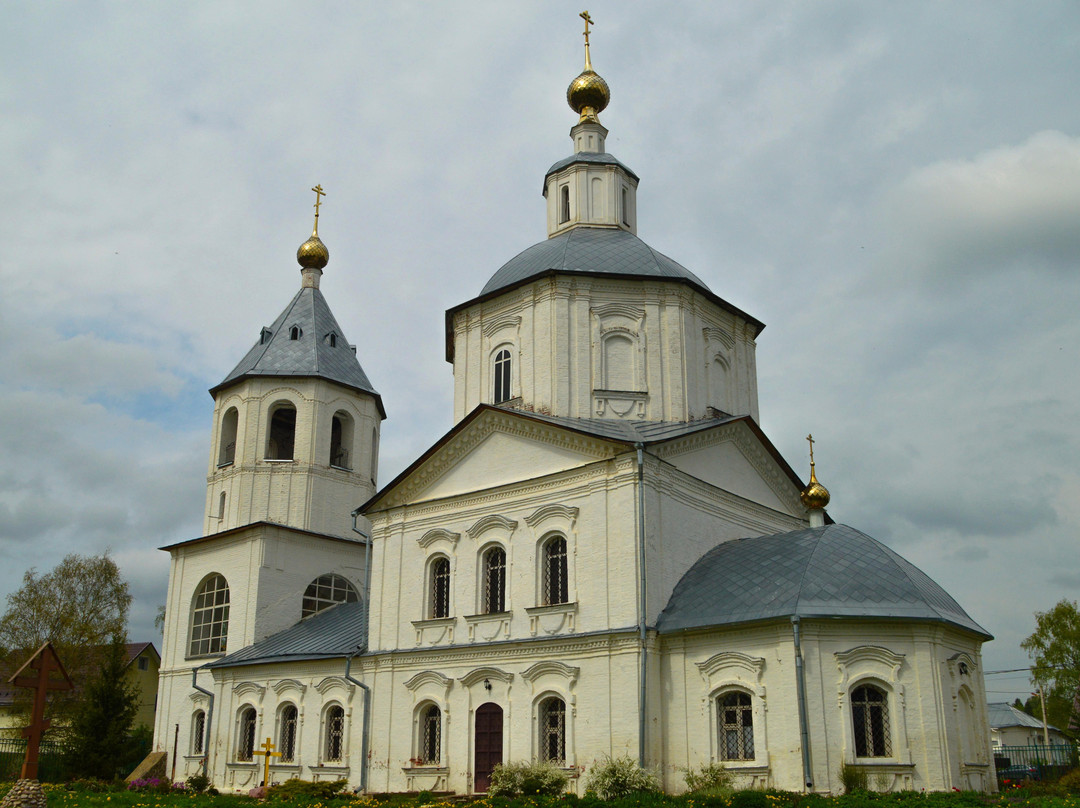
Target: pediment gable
492	448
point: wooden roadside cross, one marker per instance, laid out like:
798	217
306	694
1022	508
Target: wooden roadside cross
44	662
267	751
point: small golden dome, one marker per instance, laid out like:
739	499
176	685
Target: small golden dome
588	94
313	253
815	496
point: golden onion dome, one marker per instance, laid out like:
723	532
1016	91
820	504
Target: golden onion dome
588	94
815	496
313	253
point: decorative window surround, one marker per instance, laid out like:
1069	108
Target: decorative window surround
436	631
620	403
556	619
490	627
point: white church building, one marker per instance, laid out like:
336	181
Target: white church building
604	556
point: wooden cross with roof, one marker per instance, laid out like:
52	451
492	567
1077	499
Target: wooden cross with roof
35	673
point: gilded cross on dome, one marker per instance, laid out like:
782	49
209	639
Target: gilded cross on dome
319	194
588	20
810	438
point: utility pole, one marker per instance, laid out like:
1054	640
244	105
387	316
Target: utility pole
1046	731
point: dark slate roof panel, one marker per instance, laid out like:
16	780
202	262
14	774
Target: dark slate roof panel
630	431
335	632
311	355
831	571
598	158
590	250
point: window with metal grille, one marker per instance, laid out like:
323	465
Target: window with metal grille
735	719
430	736
494	580
210	617
555	585
440	588
552	717
870	716
287	734
227	445
245	735
326	591
198	732
335	734
502	376
282	434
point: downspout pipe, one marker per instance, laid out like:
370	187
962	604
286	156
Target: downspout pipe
642	603
804	718
207	737
365	730
366	719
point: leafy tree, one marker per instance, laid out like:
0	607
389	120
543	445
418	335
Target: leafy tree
80	607
100	740
1054	647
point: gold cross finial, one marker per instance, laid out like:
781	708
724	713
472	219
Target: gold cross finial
319	194
588	20
810	438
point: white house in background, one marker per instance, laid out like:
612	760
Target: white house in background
1012	727
605	555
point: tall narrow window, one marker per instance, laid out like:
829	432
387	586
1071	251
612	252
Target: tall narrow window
326	591
221	506
625	208
333	746
295	332
198	732
374	454
735	719
227	440
619	363
555	585
341	440
430	736
552	718
279	442
502	376
494	581
287	734
564	204
870	717
245	735
210	617
440	588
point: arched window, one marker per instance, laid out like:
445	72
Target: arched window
374	454
430	739
494	581
735	726
439	605
198	732
564	204
287	733
870	719
619	363
502	376
221	506
326	591
625	208
554	583
334	742
210	617
282	434
245	734
295	332
341	440
552	721
718	371
227	439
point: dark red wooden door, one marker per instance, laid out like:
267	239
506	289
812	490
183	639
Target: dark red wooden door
489	744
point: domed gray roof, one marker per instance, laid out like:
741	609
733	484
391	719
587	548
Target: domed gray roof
590	250
818	572
595	158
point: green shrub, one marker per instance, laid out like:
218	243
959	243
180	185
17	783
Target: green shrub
749	799
198	783
853	779
1070	781
305	789
525	777
713	780
611	778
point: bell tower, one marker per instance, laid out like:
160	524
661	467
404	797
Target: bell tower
296	422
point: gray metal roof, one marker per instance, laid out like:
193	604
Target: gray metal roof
819	572
1004	715
335	632
275	354
599	158
590	250
629	431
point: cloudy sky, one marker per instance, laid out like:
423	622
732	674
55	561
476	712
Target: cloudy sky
893	188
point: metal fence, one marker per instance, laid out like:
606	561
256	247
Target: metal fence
1035	762
52	760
